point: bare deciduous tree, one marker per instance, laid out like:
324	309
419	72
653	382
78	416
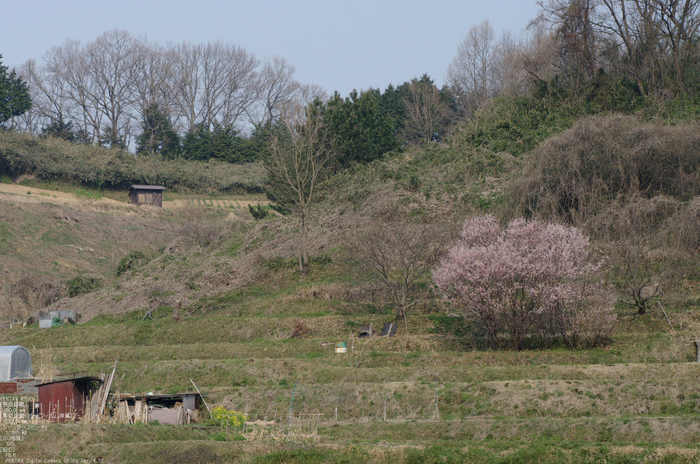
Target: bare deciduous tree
47	100
539	54
277	90
643	241
426	111
308	93
114	65
398	255
299	155
575	38
154	86
212	83
185	82
509	75
657	39
641	278
66	71
486	67
103	88
471	74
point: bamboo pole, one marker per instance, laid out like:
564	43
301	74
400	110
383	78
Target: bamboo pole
200	395
669	320
105	393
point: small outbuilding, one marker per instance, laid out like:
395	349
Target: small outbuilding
66	400
177	409
15	363
146	195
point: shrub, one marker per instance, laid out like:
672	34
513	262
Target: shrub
530	279
226	418
133	260
300	328
608	159
34	291
258	212
514	125
81	285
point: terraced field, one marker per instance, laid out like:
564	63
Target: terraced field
215	203
434	394
425	396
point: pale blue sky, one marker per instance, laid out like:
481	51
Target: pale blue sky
339	45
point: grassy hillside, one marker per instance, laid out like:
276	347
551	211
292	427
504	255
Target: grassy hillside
433	394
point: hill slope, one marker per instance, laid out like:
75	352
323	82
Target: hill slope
434	394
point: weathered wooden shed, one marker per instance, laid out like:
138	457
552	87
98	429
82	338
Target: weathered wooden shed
166	409
146	195
65	400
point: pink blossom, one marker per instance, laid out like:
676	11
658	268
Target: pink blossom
529	279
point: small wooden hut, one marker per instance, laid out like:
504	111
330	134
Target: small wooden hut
146	195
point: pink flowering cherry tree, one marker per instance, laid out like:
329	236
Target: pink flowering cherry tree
527	280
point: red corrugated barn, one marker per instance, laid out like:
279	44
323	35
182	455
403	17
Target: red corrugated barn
65	400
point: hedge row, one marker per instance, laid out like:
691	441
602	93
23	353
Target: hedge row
53	159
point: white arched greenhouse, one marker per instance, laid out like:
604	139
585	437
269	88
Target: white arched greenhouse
15	363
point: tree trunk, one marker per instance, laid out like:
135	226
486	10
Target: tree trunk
303	252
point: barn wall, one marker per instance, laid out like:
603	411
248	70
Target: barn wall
63	401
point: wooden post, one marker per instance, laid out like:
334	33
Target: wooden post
437	397
176	311
336	400
697	350
290	404
386	398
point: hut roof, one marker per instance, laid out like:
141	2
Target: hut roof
87	378
147	187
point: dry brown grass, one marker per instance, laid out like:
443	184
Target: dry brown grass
661	454
325	292
24	194
47	369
